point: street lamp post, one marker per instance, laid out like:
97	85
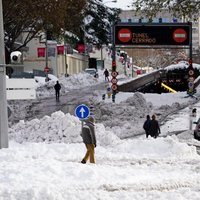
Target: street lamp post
3	100
102	58
46	57
65	50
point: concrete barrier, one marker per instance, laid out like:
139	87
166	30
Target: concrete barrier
139	82
20	89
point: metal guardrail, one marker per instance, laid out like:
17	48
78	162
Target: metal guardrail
197	82
139	82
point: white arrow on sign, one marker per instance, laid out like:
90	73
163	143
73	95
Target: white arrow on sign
82	110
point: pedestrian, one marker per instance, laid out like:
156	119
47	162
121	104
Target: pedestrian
106	74
57	88
146	125
154	129
194	112
89	139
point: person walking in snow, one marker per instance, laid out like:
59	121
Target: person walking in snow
106	74
89	139
154	128
146	126
57	88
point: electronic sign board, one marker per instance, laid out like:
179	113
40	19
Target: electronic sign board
152	34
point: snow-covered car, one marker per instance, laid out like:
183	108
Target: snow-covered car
197	130
92	71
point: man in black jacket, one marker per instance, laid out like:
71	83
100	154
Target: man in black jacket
146	125
57	88
89	139
154	128
106	74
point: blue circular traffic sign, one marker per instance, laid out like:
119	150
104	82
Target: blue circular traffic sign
190	84
82	111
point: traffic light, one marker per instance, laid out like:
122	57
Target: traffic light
160	20
15	57
103	96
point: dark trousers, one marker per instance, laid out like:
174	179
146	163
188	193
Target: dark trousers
57	95
147	134
107	78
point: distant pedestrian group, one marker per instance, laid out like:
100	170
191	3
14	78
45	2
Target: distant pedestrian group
151	127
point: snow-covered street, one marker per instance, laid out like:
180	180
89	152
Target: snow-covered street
43	158
100	100
133	169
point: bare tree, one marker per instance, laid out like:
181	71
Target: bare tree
177	7
33	16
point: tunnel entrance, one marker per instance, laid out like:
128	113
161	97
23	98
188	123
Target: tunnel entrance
158	87
169	81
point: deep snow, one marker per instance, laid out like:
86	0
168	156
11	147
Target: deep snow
43	158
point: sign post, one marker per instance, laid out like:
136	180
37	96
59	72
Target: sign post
191	88
3	101
82	112
114	66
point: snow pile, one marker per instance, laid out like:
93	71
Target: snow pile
160	148
47	90
75	81
127	115
181	65
159	168
159	100
58	128
41	80
130	110
79	80
138	101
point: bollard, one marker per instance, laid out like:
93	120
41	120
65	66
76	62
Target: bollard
92	110
113	98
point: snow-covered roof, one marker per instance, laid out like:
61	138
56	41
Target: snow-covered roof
181	65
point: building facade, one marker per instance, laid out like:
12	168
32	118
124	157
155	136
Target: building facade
60	64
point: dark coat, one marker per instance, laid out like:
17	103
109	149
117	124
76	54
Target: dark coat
106	73
154	128
88	133
146	126
57	86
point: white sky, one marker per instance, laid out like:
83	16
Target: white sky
43	158
120	4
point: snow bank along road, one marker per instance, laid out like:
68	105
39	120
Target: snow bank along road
129	170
